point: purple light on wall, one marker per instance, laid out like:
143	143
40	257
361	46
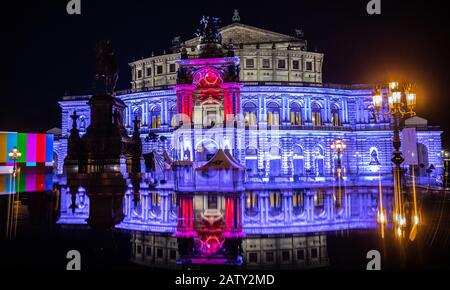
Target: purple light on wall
31	149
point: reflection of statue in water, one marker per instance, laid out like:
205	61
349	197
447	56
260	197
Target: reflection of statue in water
374	158
106	70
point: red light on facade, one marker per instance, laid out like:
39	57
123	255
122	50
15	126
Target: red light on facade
207	77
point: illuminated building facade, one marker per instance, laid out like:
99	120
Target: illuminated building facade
259	95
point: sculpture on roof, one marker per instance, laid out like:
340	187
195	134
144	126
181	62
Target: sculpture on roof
209	30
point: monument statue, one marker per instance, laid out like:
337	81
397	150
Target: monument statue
106	68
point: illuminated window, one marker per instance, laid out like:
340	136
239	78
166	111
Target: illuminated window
174	200
173	117
319	198
249	63
156	200
155	117
273	114
296	114
335	115
251	201
316	115
137	114
275	200
281	63
297	200
250	114
295	64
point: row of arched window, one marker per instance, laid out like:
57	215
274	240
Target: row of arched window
297	161
275	201
154	116
296	116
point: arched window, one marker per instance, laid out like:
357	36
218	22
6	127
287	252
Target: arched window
137	114
173	117
318	161
316	115
298	160
296	114
250	113
297	201
82	121
155	117
319	199
273	114
335	120
275	202
155	202
251	203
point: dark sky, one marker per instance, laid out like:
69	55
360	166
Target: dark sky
47	52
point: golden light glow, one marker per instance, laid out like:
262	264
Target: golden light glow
391	102
14	154
411	100
416	220
338	145
377	101
393	85
396	98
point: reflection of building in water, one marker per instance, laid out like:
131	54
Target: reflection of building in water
263	211
153	249
281	226
259	252
290	252
74	206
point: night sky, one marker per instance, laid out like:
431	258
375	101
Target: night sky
47	53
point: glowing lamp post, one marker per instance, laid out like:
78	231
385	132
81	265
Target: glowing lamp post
338	146
14	155
401	104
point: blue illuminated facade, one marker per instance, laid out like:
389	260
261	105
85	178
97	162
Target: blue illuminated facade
308	119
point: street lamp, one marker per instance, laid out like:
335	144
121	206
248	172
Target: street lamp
401	104
338	146
14	155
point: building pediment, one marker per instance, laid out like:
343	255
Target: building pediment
416	121
245	34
